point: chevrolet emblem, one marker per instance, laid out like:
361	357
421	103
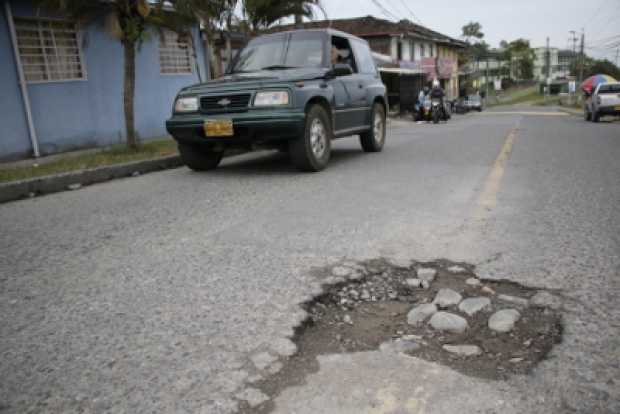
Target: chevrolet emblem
224	102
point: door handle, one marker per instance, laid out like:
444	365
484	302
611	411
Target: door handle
360	86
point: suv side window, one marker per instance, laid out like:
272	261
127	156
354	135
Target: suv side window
345	53
364	57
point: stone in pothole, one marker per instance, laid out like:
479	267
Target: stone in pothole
252	396
447	297
457	269
449	322
515	300
471	306
418	283
421	313
427	273
463	350
414	283
544	299
504	320
472	281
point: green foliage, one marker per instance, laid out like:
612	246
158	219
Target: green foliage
263	13
472	30
521	56
595	67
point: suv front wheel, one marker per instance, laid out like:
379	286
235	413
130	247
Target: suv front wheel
199	159
374	138
312	151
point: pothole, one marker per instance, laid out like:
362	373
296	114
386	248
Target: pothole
439	311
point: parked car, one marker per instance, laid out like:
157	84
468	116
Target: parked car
605	100
474	103
294	91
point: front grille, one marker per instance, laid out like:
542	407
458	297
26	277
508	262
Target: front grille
234	103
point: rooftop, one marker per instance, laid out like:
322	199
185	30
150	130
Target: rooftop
371	26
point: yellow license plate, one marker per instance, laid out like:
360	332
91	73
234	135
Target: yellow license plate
220	128
617	108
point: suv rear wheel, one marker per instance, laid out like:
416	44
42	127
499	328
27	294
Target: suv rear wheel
312	151
199	159
373	139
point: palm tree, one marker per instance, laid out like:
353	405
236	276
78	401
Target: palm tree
263	13
213	14
128	21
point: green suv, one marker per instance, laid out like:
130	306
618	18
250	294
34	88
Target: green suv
294	91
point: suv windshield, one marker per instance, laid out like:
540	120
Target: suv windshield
281	51
613	88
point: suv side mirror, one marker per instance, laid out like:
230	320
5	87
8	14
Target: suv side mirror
341	69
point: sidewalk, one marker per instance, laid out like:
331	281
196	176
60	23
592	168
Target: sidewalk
85	159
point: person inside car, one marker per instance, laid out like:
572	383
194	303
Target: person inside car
335	55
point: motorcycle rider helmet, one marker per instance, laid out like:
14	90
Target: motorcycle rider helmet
435	83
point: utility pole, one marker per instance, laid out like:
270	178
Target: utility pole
618	57
582	56
548	61
574	38
486	78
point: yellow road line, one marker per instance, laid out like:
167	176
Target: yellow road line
488	198
527	113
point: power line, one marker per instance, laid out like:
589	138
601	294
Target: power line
383	10
411	12
598	10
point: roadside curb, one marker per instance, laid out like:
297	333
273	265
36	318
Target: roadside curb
571	111
48	184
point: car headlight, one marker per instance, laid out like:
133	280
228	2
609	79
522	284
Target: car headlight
271	98
186	104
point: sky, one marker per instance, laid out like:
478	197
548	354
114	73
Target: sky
503	19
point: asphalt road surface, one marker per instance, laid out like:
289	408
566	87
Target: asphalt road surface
161	293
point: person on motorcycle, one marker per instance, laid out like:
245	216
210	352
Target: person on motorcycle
418	114
438	93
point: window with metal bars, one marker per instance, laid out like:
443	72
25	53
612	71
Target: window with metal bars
175	53
49	50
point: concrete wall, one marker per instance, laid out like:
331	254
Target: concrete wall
88	113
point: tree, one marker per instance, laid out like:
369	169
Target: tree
213	14
521	57
261	14
472	30
128	21
595	67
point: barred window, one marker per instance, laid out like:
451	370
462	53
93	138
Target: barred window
49	50
175	53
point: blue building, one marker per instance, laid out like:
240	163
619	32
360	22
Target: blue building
73	89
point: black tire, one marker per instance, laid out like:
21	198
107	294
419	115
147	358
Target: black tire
596	117
435	117
369	140
199	159
304	155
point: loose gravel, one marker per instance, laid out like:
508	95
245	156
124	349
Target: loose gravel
376	305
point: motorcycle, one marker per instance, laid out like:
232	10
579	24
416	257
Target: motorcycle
431	110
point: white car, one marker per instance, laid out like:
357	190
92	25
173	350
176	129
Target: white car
604	101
